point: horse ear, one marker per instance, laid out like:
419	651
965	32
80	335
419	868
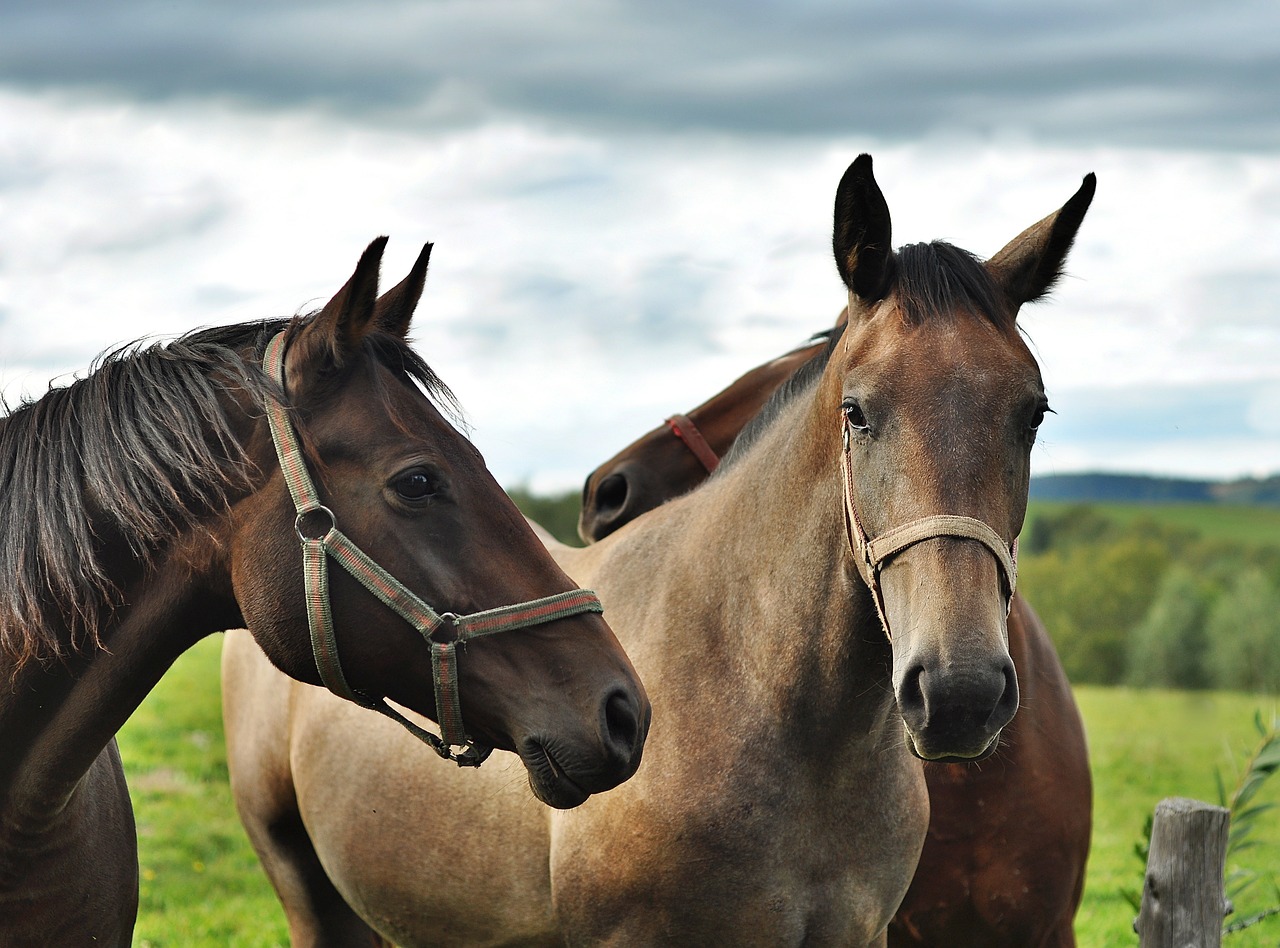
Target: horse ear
334	334
394	309
1030	264
863	233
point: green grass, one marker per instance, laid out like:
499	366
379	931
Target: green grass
201	882
1147	745
1248	525
202	886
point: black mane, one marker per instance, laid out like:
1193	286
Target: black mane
800	381
137	451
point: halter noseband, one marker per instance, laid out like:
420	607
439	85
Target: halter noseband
683	428
321	541
870	555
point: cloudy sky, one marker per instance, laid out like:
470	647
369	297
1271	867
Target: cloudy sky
631	201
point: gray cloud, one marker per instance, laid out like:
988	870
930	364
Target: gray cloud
658	312
1170	74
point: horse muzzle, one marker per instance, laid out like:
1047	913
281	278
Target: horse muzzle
957	714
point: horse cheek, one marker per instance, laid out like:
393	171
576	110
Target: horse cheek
277	622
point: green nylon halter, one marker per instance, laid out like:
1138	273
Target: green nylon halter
322	541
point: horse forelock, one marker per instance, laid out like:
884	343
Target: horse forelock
935	281
400	358
929	282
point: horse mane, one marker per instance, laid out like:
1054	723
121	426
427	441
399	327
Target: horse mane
799	381
931	282
135	452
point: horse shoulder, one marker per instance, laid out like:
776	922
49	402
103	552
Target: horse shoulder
390	822
255	709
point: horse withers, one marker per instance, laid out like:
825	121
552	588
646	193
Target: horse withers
214	482
825	610
1004	859
678	456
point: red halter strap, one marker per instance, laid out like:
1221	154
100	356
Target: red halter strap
871	555
317	530
683	428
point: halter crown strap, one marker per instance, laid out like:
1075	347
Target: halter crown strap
871	555
683	428
320	542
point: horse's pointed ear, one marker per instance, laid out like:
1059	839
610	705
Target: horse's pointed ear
1030	264
863	233
336	332
394	310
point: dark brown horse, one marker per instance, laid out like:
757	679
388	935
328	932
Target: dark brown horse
165	496
1004	860
781	802
673	459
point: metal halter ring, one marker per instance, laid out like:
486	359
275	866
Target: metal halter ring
450	622
303	514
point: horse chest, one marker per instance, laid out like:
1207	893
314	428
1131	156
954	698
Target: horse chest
755	855
75	881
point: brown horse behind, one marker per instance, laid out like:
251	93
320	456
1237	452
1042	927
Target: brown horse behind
781	802
1004	860
165	496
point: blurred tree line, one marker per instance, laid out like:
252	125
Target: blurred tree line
557	513
1146	604
1135	602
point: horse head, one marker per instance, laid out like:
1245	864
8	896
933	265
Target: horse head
939	401
677	456
398	484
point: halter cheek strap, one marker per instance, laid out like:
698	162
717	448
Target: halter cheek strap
321	540
683	428
871	555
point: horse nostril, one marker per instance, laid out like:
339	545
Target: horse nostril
622	722
1007	706
611	495
911	700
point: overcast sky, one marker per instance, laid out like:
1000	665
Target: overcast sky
631	202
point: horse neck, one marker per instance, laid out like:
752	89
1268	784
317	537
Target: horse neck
775	595
58	717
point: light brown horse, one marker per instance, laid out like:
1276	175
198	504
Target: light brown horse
165	496
780	802
1004	860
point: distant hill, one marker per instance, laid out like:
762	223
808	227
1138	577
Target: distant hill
1137	488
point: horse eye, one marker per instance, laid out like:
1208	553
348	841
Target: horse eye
854	417
1037	417
415	485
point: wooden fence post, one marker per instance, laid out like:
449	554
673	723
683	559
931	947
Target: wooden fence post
1183	903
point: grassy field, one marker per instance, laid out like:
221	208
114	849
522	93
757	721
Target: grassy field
201	884
1250	525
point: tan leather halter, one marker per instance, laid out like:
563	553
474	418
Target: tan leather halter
682	427
871	555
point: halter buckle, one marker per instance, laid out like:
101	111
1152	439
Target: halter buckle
471	755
